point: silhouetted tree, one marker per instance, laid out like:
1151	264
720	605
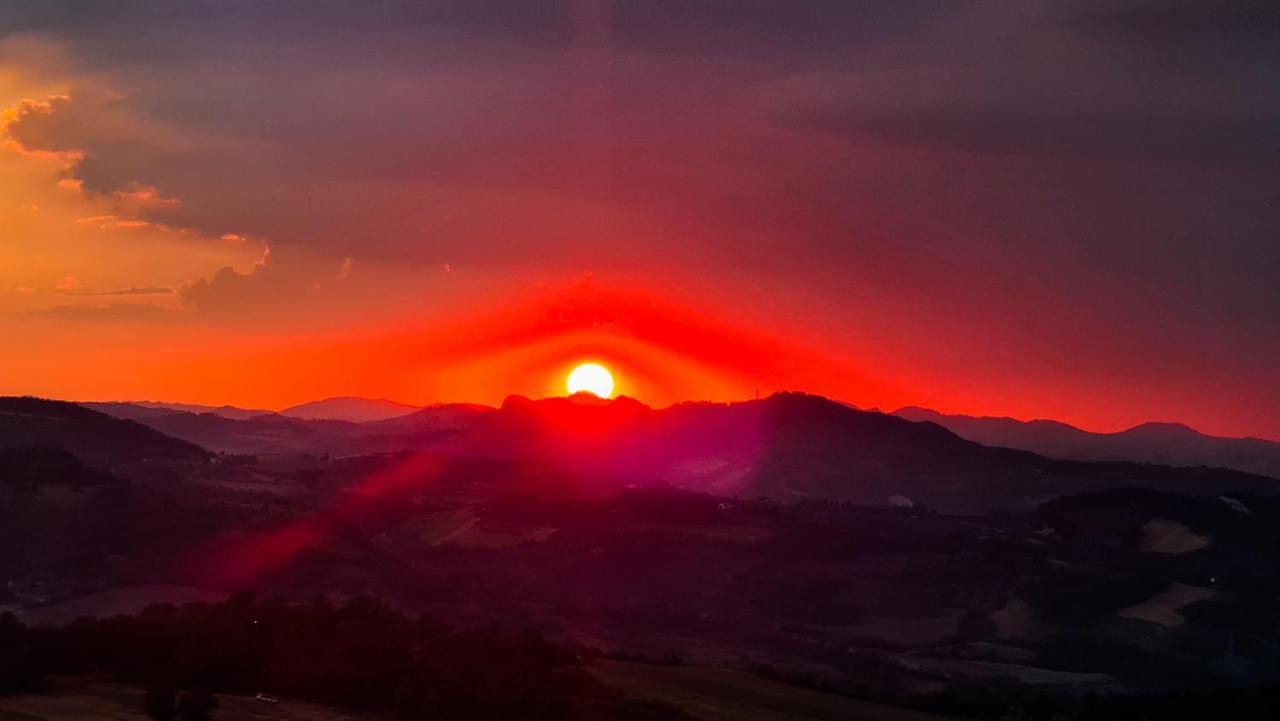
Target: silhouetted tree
976	624
159	702
407	701
196	704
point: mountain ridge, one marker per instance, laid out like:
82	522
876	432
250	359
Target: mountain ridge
1167	443
99	440
788	446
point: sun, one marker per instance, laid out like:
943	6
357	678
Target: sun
591	378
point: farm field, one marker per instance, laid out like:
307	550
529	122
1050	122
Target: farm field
116	702
722	694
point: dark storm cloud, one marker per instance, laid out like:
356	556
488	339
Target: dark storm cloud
1116	159
1165	22
1135	134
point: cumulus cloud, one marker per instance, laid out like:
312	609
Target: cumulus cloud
31	128
278	283
87	129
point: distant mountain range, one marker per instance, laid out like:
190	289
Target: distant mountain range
135	410
345	408
788	447
1165	443
794	446
266	432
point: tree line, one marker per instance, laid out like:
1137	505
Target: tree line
363	654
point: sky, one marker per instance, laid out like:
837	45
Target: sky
1040	209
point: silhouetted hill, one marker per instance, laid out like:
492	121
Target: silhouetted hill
31	468
441	416
272	433
1166	443
127	411
96	438
349	408
792	446
788	447
263	434
152	409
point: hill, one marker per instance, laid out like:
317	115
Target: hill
274	434
349	408
787	447
793	446
264	434
1171	444
96	438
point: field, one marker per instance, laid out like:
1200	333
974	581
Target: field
114	702
1162	609
463	528
123	600
721	694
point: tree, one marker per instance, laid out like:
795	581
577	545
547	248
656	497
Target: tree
159	702
408	699
975	625
196	704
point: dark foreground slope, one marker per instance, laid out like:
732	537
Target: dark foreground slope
561	515
413	668
96	438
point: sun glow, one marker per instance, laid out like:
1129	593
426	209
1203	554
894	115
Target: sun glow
591	378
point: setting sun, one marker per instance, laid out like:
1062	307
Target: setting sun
591	378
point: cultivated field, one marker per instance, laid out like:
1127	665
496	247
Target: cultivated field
722	694
114	702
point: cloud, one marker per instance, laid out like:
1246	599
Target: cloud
139	197
918	168
157	290
109	313
31	128
1134	134
1050	79
91	129
1182	21
278	283
115	221
66	284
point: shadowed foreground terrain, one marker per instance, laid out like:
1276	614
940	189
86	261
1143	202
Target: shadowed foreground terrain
865	565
